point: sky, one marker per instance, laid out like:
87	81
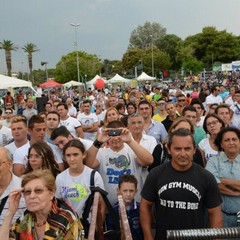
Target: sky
105	25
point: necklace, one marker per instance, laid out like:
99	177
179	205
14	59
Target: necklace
40	224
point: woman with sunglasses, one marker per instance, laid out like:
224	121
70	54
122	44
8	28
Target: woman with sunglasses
212	125
46	217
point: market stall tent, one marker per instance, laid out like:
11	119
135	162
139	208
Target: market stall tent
145	77
50	84
73	84
12	82
118	79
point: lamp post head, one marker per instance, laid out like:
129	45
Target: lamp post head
75	24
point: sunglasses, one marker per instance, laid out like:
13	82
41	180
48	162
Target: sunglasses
37	191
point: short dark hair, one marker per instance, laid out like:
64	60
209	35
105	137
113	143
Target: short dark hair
60	131
35	119
54	112
120	106
188	108
131	104
219	137
127	178
222	106
63	104
182	132
144	102
74	143
198	102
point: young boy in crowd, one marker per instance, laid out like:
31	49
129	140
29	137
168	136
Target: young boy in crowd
127	187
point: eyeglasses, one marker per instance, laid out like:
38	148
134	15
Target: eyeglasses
212	123
8	112
37	191
36	157
1	163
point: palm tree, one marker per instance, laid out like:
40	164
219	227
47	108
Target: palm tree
8	46
30	48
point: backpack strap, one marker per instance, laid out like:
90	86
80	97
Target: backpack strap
3	202
90	199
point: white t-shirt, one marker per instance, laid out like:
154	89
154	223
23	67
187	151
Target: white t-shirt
11	147
71	124
149	143
5	136
200	123
112	165
236	110
72	111
86	143
76	189
20	155
88	120
204	145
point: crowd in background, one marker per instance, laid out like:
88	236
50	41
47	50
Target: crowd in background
123	134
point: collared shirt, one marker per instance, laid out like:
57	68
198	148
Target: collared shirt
212	99
157	130
221	167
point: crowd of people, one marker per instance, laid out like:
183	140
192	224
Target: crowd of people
171	154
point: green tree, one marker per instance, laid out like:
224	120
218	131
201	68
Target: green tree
131	59
212	45
30	48
66	68
169	44
143	36
8	46
191	64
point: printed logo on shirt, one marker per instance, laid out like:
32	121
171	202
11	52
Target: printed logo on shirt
179	204
121	162
75	192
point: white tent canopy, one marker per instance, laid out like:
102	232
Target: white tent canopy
145	77
119	79
12	82
94	80
73	84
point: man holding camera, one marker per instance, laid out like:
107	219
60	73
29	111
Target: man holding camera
123	156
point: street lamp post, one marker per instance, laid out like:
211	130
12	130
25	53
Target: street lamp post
46	69
75	25
152	57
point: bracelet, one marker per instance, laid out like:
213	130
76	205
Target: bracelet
97	144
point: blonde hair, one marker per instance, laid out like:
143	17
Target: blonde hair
108	110
43	174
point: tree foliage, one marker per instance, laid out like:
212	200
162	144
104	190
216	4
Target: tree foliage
169	44
8	46
143	36
212	45
66	68
30	48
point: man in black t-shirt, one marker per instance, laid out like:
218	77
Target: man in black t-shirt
181	191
